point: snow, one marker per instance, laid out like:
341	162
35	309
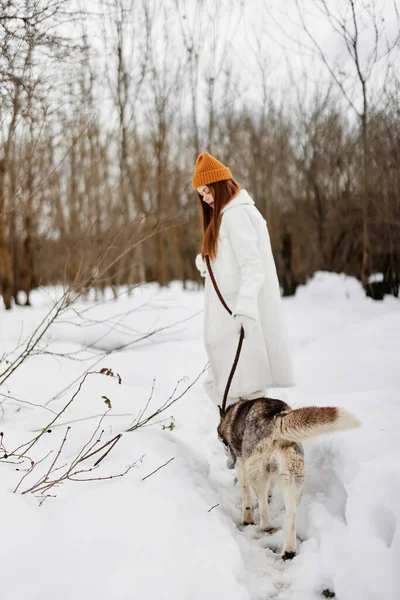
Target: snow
177	533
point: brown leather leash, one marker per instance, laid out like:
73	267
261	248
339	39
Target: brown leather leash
241	337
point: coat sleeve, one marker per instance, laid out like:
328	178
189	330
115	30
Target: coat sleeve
243	238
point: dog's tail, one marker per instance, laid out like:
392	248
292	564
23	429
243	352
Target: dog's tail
311	421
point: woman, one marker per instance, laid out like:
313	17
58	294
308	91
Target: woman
236	240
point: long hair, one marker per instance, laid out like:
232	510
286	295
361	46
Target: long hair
222	192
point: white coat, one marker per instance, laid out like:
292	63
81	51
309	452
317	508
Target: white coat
245	272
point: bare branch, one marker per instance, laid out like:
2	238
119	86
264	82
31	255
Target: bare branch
158	468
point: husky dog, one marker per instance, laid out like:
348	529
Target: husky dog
264	439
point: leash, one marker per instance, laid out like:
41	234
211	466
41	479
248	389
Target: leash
241	337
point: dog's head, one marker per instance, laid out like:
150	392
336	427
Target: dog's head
221	437
222	427
228	450
222	430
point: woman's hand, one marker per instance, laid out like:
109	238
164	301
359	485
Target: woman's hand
243	321
201	265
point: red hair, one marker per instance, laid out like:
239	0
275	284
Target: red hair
222	192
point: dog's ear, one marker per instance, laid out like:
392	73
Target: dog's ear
220	412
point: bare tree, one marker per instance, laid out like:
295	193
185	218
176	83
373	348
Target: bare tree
193	31
29	40
126	36
350	20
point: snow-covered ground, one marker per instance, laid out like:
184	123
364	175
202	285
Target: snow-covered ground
176	534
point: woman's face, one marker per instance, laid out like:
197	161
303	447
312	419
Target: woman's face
206	195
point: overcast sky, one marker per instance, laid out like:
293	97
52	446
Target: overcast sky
245	34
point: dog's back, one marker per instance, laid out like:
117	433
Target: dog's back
248	422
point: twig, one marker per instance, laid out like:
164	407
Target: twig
160	467
33	465
148	401
171	400
113	442
2	446
26	475
64	423
71	470
109	476
45	498
85	447
13	399
58	453
37	438
35	337
215	506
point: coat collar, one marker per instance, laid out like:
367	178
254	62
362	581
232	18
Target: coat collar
241	198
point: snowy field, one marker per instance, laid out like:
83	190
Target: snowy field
176	534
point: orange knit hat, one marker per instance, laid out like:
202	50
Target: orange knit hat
209	170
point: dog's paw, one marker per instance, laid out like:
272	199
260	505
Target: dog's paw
248	516
248	529
288	555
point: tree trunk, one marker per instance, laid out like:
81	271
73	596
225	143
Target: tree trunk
6	274
366	255
27	251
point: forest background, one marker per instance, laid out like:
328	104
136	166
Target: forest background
105	105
